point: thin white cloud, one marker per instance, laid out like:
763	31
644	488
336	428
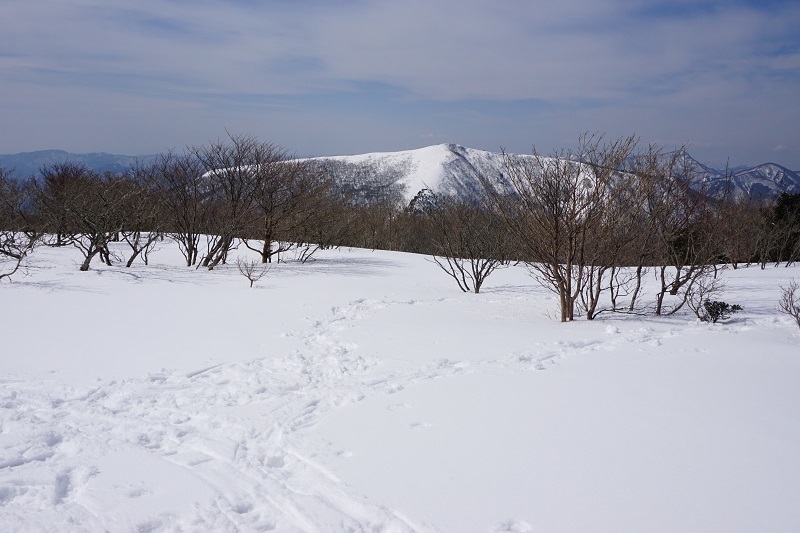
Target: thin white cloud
593	64
443	50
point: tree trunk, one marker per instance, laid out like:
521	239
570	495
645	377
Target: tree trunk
89	256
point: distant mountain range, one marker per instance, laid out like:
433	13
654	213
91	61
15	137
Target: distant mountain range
448	169
29	163
767	180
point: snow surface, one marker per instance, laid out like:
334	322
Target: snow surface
364	392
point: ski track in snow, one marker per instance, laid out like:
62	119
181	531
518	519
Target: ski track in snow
203	423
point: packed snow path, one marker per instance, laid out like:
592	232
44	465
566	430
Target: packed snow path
363	415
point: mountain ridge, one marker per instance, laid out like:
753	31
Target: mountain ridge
26	164
457	170
447	168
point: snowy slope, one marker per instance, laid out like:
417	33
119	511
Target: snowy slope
456	170
444	168
364	392
763	181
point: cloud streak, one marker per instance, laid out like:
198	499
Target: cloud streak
310	73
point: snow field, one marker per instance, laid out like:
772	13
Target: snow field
364	392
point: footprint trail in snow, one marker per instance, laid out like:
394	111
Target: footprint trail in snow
232	432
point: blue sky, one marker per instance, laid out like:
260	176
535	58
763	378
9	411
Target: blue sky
353	76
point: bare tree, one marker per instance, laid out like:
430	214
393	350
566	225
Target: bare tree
739	234
790	301
684	228
229	167
53	194
554	208
468	241
182	189
273	176
329	227
786	225
615	237
289	201
18	235
83	207
142	211
635	228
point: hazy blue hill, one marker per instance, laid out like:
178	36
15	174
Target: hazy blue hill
28	163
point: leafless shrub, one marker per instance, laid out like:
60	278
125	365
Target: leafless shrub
252	269
790	301
304	252
469	241
703	289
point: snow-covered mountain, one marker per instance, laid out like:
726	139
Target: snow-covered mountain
457	170
444	168
767	180
451	169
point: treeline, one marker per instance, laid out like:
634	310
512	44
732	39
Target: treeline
588	223
208	199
